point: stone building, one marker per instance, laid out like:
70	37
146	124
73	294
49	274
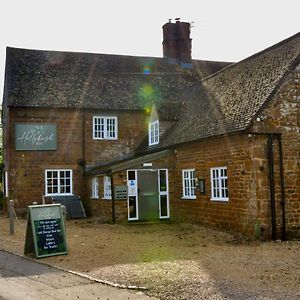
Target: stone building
143	138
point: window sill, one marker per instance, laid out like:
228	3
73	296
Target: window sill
49	195
95	198
219	199
105	139
189	198
106	198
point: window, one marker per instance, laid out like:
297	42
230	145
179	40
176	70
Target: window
106	187
105	128
5	184
153	133
219	188
95	188
163	193
58	182
188	184
132	194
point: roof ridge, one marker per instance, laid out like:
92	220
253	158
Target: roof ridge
109	54
279	44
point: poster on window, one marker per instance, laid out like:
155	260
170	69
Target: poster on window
131	188
35	137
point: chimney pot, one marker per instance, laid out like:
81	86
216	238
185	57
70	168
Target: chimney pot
177	44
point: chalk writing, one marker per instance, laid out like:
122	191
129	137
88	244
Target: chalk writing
49	236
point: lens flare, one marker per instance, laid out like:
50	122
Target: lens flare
147	70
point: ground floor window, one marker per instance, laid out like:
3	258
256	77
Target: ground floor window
58	182
5	186
106	188
219	188
95	188
188	184
163	189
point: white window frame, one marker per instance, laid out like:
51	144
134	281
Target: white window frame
164	193
58	182
132	192
153	133
106	188
103	128
189	189
219	184
6	184
95	188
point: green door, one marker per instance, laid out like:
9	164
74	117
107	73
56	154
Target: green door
148	205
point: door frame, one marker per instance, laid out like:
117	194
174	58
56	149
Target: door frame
160	193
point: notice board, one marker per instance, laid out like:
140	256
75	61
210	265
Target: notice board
45	233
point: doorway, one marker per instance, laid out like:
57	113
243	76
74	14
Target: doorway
148	196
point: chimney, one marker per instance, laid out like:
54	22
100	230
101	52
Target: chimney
177	44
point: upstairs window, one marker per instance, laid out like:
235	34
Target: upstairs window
153	133
95	188
58	182
107	188
188	184
105	128
219	188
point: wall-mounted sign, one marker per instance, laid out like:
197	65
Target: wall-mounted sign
201	185
37	136
120	192
45	234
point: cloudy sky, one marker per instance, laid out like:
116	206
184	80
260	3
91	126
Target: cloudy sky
222	30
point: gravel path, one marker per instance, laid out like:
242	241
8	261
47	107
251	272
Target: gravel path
177	261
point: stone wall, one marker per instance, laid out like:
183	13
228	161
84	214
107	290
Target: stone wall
75	143
239	213
282	115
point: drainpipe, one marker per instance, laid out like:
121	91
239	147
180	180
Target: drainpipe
283	233
272	185
83	142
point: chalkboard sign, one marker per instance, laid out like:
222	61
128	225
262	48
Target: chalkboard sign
45	234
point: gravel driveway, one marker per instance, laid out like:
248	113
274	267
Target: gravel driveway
176	261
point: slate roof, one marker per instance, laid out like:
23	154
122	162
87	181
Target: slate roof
227	101
39	78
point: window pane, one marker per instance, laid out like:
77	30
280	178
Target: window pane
131	175
163	206
132	207
163	180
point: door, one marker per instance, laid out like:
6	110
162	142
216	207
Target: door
148	204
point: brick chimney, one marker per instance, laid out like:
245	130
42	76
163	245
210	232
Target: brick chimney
177	44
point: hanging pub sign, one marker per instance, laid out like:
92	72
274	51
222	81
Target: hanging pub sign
38	136
45	233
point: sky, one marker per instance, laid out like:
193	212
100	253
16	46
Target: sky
222	30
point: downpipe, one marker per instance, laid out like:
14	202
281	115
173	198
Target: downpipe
272	185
